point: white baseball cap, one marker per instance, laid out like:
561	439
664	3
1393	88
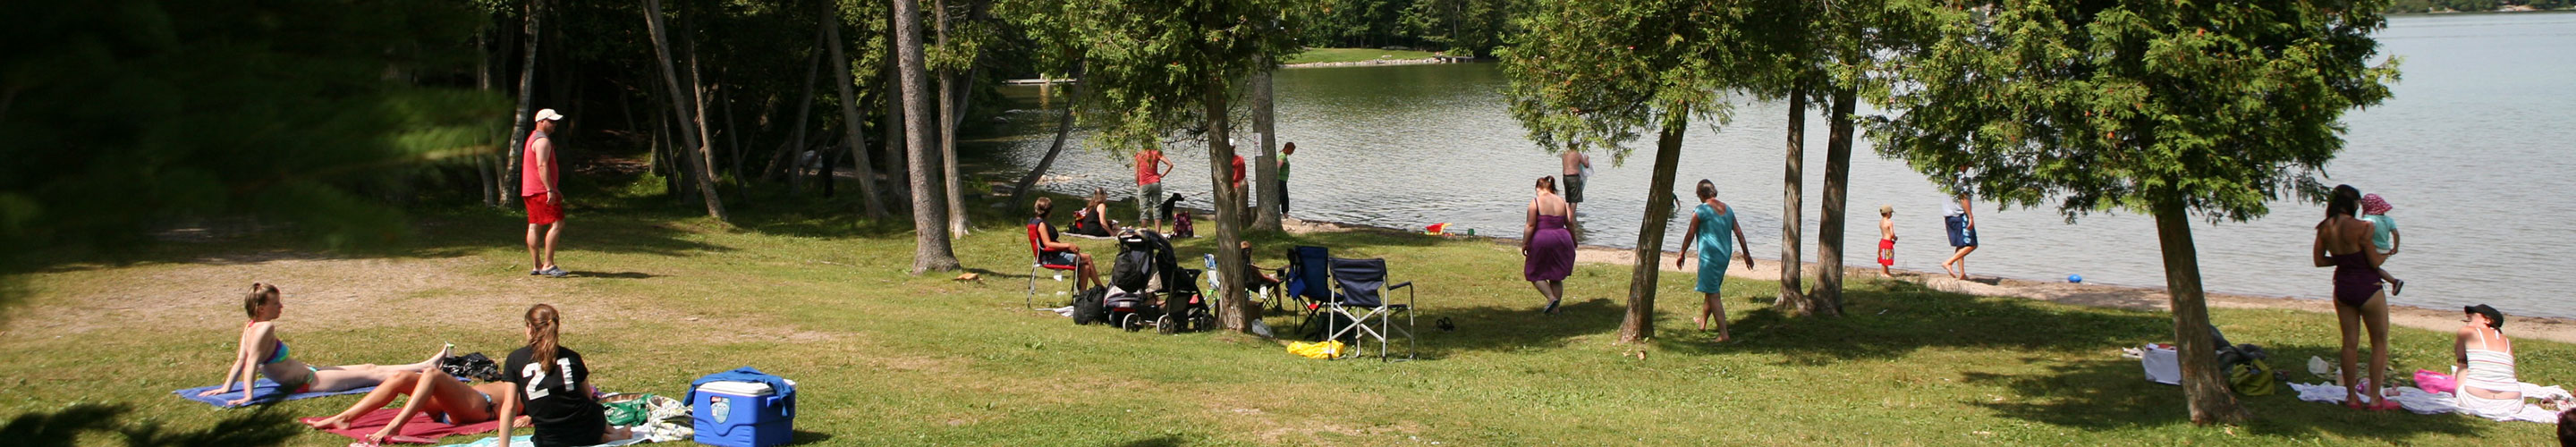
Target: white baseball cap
549	115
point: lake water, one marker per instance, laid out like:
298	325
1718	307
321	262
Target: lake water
2473	151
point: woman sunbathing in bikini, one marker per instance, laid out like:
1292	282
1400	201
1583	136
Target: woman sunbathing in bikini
433	391
261	348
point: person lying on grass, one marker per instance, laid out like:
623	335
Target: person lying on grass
261	348
432	391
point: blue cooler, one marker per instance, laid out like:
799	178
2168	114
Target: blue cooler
742	414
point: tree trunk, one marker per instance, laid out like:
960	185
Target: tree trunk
1063	128
789	155
1792	192
671	79
895	162
1828	297
2203	384
948	126
699	98
1266	176
483	162
929	221
851	119
1233	310
1639	324
522	120
733	138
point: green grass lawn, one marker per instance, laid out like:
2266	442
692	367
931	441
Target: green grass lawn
885	357
1314	55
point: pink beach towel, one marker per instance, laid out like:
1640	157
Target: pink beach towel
421	429
2433	382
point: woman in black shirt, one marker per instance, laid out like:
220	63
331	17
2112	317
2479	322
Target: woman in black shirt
551	385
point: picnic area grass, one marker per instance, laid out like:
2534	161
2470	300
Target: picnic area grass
661	296
1316	55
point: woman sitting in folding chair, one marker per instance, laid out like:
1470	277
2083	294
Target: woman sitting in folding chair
1053	250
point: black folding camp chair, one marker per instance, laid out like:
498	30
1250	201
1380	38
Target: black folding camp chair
1362	299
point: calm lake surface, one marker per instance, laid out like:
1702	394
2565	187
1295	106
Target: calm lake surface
2473	152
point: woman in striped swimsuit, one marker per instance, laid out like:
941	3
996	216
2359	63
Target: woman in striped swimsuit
2488	387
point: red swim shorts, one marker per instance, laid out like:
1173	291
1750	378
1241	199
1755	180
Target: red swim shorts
542	211
1887	252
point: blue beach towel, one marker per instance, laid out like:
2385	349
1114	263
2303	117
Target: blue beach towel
266	391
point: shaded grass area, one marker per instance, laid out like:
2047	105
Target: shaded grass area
809	291
1319	55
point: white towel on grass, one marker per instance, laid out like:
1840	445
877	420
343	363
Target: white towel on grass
2420	402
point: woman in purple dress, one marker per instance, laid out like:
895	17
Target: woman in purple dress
1547	249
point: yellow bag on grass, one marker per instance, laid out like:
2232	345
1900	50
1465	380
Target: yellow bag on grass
1325	350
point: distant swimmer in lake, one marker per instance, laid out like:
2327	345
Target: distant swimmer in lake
1547	249
1577	169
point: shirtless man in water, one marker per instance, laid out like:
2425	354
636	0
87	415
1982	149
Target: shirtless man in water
1576	165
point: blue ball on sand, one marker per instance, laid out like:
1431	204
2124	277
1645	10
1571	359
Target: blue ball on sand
2078	279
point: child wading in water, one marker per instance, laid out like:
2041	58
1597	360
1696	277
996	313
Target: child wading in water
2383	235
1886	239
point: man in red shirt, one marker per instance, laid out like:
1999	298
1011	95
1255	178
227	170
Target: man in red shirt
540	189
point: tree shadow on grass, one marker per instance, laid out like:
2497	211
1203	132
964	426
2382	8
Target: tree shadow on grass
2109	394
801	437
65	427
1157	441
1899	318
1492	328
441	234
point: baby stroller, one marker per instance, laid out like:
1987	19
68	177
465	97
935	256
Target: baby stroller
1146	270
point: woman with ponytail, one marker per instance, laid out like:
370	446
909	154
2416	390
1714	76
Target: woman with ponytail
553	385
261	352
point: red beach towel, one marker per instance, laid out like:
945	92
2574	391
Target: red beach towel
421	429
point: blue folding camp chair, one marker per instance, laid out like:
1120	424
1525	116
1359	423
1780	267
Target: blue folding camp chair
1308	276
1362	297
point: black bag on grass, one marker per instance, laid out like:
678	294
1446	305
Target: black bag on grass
471	366
1087	308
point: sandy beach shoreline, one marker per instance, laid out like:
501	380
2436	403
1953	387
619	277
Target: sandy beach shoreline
2094	295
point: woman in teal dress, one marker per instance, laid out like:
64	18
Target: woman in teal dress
1710	222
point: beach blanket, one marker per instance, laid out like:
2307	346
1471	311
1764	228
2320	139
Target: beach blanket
530	440
266	392
2419	401
421	429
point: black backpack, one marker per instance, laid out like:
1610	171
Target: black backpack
1087	308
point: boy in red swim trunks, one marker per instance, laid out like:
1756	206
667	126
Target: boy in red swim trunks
1886	239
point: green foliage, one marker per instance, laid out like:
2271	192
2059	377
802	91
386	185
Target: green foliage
1588	75
1152	63
137	114
1460	26
1463	27
2219	107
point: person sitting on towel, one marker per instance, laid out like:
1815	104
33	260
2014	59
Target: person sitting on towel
2488	387
261	349
559	400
